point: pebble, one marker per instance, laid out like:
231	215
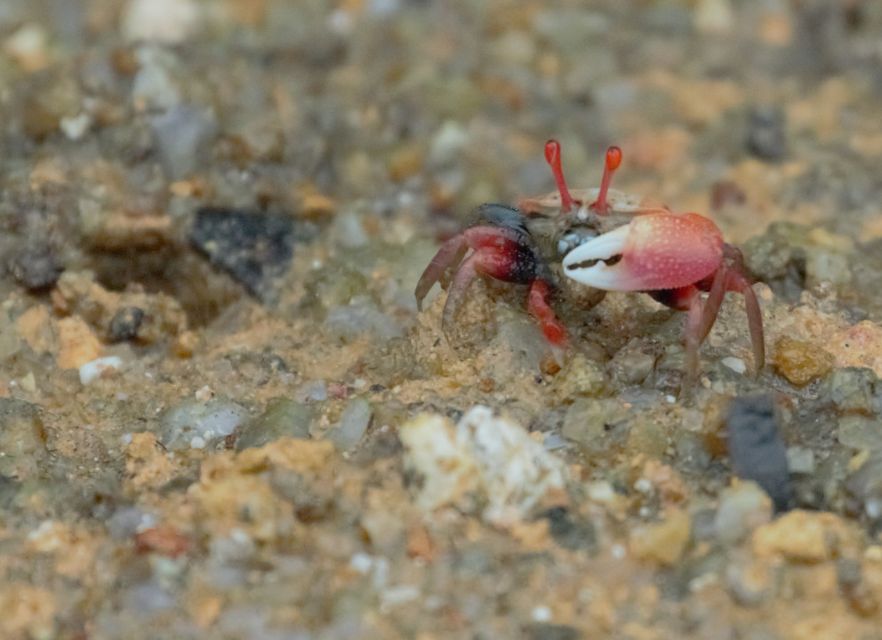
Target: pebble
37	267
756	449
183	136
596	425
283	418
163	21
800	460
743	508
125	324
254	248
486	454
194	424
766	133
735	364
850	389
663	542
99	368
22	439
800	361
860	432
353	424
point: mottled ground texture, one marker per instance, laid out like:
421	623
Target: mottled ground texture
221	415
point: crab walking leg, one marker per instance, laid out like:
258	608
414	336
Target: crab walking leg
692	335
449	255
754	321
495	262
714	301
537	304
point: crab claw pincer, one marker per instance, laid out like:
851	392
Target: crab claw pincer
675	258
654	251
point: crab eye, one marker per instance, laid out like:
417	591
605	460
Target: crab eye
573	238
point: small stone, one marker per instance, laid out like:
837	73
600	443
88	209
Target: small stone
662	542
755	446
800	361
254	248
29	47
632	364
282	418
22	439
193	424
164	21
766	133
596	425
77	344
37	267
851	389
804	536
800	460
484	455
353	424
743	508
569	530
125	324
860	432
735	364
75	127
750	582
99	368
183	135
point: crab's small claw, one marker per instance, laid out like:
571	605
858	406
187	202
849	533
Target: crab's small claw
654	251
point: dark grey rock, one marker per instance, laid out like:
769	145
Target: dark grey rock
125	324
756	449
570	531
36	268
766	133
254	248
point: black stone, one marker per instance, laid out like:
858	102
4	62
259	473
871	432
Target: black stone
36	267
756	449
254	248
766	133
570	531
126	324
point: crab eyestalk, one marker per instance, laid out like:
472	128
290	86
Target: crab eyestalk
552	157
611	163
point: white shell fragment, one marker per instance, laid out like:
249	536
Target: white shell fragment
485	462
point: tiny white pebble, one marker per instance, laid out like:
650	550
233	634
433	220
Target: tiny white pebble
541	614
618	551
98	368
735	364
670	399
643	485
204	394
361	562
197	443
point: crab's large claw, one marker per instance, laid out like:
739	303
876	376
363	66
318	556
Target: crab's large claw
654	251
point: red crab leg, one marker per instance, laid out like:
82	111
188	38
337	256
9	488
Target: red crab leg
537	304
754	320
449	255
489	261
611	163
552	157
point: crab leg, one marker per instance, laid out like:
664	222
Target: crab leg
537	304
754	320
449	255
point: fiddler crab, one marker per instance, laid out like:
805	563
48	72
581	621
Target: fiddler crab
608	241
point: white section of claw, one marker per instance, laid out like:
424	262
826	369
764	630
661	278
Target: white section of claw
602	247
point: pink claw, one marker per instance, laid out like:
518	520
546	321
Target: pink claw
654	251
